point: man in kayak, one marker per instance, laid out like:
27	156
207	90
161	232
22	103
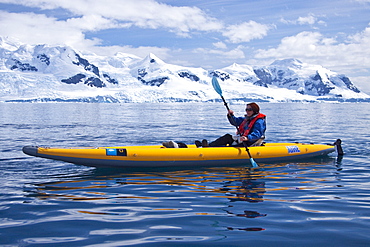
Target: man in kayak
250	129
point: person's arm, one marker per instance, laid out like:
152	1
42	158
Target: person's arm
236	121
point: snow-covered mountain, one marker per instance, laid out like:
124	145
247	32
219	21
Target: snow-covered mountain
59	73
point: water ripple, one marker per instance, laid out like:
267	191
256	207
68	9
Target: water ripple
51	203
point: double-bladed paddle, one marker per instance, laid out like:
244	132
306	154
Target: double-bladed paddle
218	89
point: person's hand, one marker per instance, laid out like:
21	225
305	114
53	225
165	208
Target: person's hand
243	138
230	113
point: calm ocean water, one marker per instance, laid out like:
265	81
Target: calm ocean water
322	202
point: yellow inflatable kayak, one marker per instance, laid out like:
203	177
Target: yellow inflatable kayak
159	156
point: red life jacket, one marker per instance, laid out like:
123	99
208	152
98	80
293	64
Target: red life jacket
244	130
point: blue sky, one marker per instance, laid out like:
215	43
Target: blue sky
208	34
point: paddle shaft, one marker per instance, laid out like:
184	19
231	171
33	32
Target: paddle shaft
218	89
254	164
225	103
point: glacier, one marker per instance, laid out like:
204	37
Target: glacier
43	73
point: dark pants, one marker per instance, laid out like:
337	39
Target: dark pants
227	140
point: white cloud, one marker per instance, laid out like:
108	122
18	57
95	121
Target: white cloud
141	51
303	44
310	19
140	13
245	32
220	45
91	16
35	28
363	1
362	82
347	57
93	23
232	55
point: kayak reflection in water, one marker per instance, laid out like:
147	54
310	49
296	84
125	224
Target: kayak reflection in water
250	129
251	190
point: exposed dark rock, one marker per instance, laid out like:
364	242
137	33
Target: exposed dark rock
221	75
43	58
74	79
109	79
264	76
185	74
22	66
316	84
94	82
87	66
349	84
155	82
141	72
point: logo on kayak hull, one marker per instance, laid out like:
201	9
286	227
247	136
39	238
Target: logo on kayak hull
293	149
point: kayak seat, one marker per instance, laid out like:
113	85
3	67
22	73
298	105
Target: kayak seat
259	142
172	144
